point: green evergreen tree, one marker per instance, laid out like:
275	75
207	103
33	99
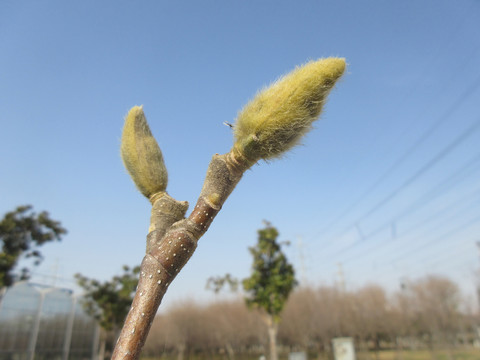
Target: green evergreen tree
22	231
271	282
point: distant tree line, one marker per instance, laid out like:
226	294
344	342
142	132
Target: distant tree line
427	313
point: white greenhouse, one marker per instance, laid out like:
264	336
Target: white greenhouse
39	323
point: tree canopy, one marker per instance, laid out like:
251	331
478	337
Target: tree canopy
271	282
109	301
22	231
273	277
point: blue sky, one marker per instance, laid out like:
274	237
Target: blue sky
387	184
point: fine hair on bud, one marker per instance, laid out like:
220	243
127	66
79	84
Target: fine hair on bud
142	155
279	115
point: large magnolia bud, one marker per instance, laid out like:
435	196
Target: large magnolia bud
276	119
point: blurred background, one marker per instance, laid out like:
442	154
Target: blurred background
384	192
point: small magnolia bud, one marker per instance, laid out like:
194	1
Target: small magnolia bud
141	154
276	119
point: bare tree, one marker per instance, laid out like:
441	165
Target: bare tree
372	314
426	311
436	302
300	319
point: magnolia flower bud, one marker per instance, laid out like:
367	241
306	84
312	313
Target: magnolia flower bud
277	118
141	154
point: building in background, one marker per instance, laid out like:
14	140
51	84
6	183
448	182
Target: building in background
39	322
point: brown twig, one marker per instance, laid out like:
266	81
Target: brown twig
272	123
170	244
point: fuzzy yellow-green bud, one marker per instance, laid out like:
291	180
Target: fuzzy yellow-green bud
142	155
277	118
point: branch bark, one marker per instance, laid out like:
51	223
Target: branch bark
171	241
272	123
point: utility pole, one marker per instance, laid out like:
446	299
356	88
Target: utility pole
478	277
478	290
341	277
303	273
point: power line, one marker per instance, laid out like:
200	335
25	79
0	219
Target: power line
472	196
428	261
356	258
427	166
424	200
448	261
431	130
409	230
441	238
439	190
442	154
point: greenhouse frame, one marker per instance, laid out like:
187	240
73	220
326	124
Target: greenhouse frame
39	322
